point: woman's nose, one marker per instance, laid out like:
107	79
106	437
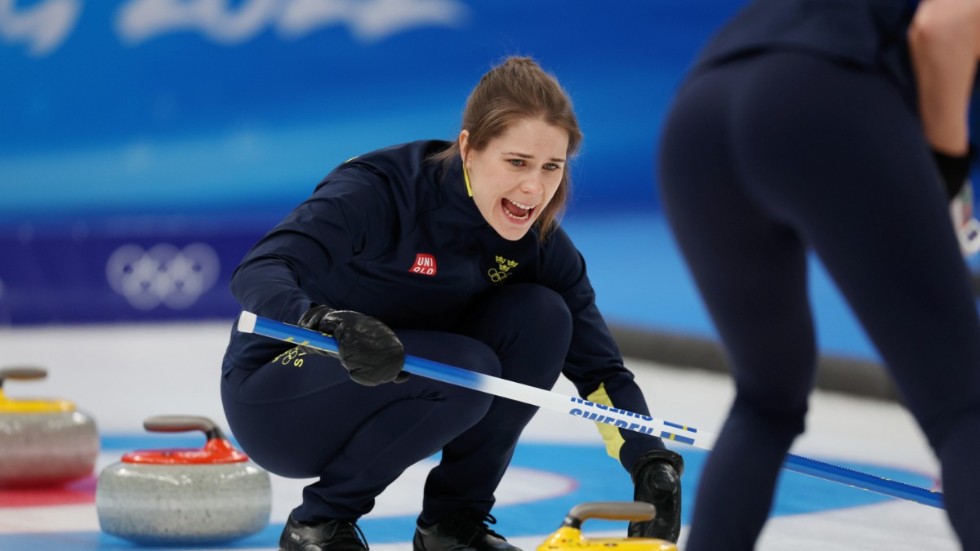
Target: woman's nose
533	183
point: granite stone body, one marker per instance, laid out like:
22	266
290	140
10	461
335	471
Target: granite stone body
38	449
183	503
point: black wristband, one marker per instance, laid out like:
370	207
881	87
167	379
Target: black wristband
954	170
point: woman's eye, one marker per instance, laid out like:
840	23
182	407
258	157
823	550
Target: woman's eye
552	167
517	162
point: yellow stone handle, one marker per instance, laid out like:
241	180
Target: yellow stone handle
29	405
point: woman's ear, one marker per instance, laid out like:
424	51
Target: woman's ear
464	144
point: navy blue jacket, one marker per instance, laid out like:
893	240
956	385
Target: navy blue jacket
396	236
867	34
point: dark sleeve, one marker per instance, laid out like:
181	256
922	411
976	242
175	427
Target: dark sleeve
303	259
594	363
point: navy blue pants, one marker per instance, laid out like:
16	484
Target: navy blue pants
762	158
311	420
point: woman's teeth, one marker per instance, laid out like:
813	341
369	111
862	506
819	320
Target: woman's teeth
518	211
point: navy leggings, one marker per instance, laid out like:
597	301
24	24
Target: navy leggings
313	421
762	158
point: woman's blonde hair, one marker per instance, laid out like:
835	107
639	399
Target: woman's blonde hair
514	90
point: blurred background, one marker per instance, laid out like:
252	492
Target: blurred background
145	145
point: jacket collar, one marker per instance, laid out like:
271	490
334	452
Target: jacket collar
456	193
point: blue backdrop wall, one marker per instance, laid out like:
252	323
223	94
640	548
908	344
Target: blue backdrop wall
146	144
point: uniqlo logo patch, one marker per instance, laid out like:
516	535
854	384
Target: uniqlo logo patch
425	264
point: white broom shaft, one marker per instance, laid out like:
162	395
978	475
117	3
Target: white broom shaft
251	323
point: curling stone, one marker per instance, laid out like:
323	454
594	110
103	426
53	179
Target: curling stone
43	442
184	496
569	536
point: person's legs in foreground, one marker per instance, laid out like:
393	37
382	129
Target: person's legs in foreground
751	271
813	152
459	492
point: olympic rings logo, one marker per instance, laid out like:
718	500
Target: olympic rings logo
502	271
163	274
496	276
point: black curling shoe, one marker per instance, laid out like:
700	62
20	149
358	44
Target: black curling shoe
461	531
332	535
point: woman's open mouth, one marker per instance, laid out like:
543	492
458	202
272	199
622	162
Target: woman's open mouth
517	211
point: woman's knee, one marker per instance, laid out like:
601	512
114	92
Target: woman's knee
784	420
516	314
952	426
538	308
456	350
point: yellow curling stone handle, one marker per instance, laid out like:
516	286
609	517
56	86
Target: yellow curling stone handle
569	536
31	405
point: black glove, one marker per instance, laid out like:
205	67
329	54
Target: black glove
959	190
367	348
954	169
657	480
